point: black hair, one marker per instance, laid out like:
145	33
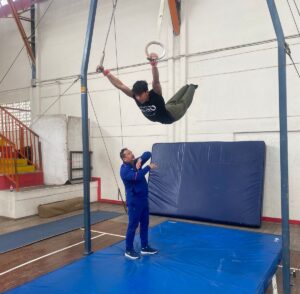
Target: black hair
139	87
122	152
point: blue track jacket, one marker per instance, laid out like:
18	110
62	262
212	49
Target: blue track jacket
136	186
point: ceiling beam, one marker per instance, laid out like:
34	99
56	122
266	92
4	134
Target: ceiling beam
174	7
21	30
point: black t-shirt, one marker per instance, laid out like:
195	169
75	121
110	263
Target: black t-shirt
154	109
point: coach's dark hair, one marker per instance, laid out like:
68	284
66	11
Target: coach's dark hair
122	152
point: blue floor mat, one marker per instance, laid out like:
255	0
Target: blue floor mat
17	239
192	259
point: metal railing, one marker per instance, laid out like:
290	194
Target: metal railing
8	159
25	140
76	165
17	141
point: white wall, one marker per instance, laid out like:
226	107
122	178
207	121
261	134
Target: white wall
237	98
52	130
74	133
59	135
11	44
25	203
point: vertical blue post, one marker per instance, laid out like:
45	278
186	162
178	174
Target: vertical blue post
85	127
32	40
283	145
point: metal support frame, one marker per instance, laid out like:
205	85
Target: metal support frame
283	135
85	130
283	145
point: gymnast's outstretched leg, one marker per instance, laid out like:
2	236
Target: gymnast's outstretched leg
181	101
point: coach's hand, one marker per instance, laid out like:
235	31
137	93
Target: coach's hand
152	165
138	164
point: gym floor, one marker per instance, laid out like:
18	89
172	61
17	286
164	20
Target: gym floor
26	263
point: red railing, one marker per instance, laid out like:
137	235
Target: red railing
26	142
8	159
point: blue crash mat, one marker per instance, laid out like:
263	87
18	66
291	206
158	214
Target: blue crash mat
212	181
192	259
17	239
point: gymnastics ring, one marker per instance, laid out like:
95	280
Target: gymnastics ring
163	53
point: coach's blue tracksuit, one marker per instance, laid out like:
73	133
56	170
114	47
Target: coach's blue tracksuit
136	188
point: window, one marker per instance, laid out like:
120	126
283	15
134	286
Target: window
3	2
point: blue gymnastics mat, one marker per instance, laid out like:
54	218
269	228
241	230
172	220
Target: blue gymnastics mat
192	259
17	239
212	181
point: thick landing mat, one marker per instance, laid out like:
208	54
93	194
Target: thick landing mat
211	181
192	259
14	240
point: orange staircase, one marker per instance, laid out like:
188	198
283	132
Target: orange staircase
20	153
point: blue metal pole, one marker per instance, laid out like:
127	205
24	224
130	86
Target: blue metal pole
32	39
283	145
85	127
